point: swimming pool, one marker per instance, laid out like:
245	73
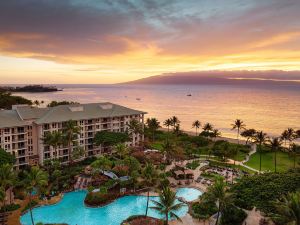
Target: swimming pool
189	194
71	210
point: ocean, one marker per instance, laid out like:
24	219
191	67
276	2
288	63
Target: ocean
268	108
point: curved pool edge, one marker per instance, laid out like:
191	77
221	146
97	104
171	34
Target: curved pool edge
63	195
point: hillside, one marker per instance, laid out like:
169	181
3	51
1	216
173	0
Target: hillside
224	77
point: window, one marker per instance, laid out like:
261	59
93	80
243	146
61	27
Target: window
54	125
7	139
46	126
7	147
47	155
6	130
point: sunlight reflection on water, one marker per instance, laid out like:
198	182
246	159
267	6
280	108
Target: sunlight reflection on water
264	108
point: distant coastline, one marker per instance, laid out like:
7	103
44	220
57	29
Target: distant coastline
30	88
238	78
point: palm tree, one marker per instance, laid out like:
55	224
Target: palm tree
208	127
288	135
284	137
167	204
168	149
175	121
7	178
291	136
239	125
168	123
71	130
135	127
35	179
275	145
218	191
196	124
121	150
153	125
36	102
249	134
295	150
102	163
54	139
288	209
297	132
150	176
216	133
78	153
260	139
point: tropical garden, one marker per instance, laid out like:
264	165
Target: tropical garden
272	170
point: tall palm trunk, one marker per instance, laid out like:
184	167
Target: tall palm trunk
294	160
260	157
30	208
70	151
275	160
147	203
167	218
217	221
4	202
238	135
55	151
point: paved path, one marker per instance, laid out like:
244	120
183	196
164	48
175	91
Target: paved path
188	220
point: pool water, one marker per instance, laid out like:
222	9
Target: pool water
71	210
189	194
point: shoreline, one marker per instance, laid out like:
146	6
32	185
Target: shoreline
192	133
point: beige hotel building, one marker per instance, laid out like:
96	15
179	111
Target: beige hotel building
23	127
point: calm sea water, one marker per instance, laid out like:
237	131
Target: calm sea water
268	108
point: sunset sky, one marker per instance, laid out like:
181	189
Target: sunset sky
102	41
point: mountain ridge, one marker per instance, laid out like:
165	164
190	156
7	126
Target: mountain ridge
223	77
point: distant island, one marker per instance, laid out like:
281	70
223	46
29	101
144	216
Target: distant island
275	77
30	88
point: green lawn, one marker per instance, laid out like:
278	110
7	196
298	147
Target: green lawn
240	156
284	161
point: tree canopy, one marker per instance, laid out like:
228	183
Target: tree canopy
7	100
110	138
6	158
261	190
55	103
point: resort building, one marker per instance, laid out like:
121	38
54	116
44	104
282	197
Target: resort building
23	127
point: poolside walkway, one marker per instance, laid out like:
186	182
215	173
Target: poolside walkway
188	220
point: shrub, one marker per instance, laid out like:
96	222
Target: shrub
30	205
200	141
261	190
121	170
162	166
204	209
232	216
98	198
8	208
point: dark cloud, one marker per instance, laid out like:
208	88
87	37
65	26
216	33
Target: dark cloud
61	29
